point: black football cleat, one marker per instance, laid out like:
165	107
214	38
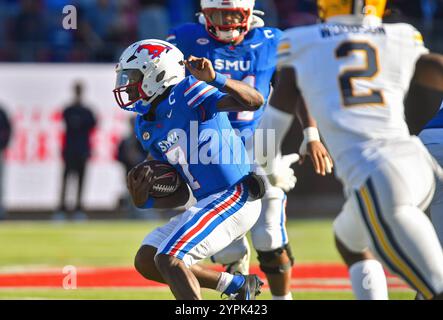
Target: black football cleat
249	290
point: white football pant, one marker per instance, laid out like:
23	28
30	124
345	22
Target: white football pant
386	215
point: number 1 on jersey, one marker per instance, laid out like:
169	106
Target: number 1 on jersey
177	155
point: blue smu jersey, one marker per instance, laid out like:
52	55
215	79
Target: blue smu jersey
190	134
254	61
437	121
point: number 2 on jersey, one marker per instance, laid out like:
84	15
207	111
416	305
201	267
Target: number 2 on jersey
350	99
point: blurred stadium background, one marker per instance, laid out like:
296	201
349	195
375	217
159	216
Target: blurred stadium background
40	62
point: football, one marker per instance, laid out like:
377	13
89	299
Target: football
167	179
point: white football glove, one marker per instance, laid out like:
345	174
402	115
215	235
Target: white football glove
282	175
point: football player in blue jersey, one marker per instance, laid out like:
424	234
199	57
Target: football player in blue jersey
233	37
181	121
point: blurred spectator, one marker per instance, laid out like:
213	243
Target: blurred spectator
124	29
181	12
60	40
101	15
296	12
5	134
270	10
8	9
79	122
408	8
97	28
130	153
153	19
429	9
29	32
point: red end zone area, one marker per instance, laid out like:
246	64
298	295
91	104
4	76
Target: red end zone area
315	277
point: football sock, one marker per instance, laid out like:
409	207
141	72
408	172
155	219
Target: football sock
368	280
229	283
285	297
224	281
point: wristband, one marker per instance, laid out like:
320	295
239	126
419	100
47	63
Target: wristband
220	81
311	134
148	204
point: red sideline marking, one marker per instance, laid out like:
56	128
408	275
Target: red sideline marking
308	276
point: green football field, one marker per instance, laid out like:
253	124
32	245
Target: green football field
29	247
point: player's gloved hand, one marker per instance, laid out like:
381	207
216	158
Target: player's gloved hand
282	174
139	182
313	147
201	68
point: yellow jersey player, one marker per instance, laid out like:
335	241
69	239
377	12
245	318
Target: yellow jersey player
353	72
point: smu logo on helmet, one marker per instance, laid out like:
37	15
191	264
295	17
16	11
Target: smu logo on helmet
154	50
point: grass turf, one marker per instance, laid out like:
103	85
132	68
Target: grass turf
164	294
115	243
47	244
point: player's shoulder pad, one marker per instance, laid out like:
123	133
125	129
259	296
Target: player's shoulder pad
405	32
264	41
268	34
294	40
193	91
184	33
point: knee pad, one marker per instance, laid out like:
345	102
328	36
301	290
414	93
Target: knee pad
268	257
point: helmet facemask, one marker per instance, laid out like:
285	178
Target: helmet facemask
229	24
128	88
